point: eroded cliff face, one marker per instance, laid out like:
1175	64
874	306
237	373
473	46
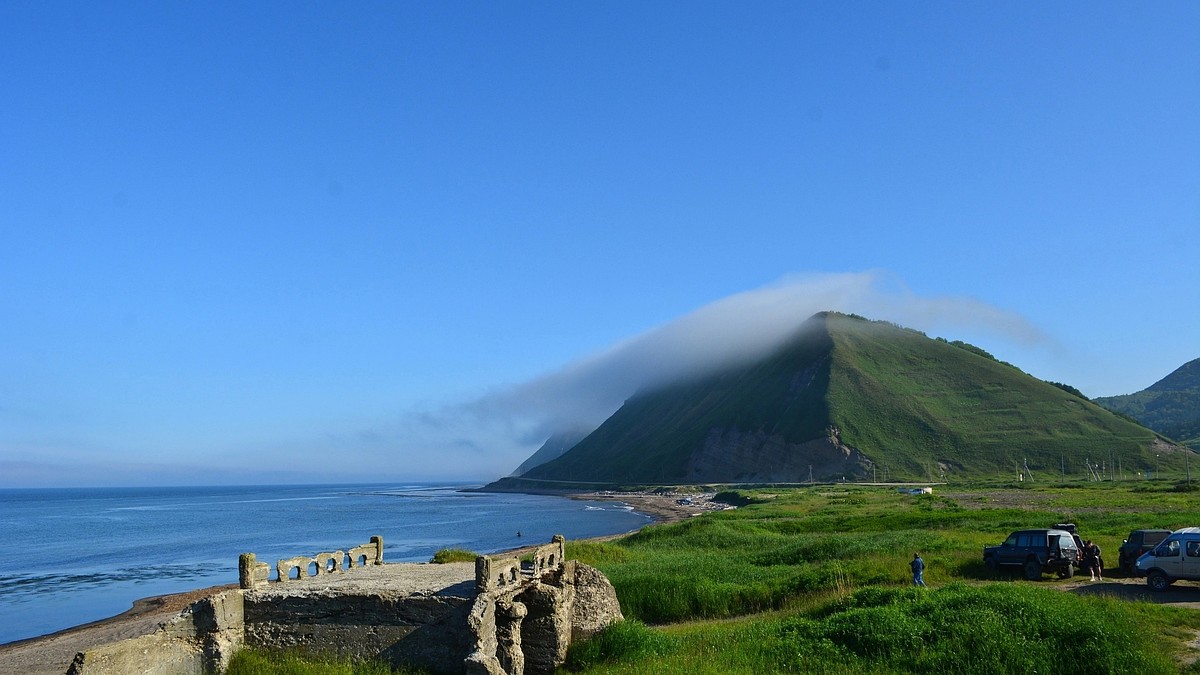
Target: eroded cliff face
732	455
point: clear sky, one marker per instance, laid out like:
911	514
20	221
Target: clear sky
248	242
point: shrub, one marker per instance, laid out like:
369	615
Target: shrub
1010	629
628	640
734	498
449	555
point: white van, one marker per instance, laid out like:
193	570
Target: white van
1176	557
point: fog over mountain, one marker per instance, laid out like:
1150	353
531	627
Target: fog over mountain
510	421
738	328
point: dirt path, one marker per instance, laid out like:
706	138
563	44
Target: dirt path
1186	595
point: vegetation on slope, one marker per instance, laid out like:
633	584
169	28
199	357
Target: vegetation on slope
1170	406
921	407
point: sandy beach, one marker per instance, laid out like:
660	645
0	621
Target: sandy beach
52	654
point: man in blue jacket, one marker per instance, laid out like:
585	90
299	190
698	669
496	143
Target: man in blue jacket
918	570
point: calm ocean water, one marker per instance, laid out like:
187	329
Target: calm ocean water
78	555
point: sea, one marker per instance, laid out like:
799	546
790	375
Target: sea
72	556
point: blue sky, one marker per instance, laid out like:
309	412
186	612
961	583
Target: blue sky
247	242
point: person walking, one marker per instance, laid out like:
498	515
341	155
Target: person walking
918	569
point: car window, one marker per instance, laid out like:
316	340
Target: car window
1193	549
1024	540
1011	541
1150	538
1065	541
1169	549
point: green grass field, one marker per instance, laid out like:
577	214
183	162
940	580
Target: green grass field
816	580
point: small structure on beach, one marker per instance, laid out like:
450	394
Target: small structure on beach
501	615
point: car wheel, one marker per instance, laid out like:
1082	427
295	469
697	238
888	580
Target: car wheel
1067	572
1157	581
992	564
1033	570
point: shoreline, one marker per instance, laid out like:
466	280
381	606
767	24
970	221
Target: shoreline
53	653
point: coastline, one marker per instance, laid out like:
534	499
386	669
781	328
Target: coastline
663	508
53	653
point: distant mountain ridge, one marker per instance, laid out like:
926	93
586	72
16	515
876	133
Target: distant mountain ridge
553	448
1170	406
848	397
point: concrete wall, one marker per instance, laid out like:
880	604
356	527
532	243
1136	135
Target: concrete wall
202	639
428	632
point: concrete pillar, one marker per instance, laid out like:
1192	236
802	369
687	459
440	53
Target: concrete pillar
251	573
509	615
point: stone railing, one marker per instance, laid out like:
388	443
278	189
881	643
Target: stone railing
549	558
502	574
253	574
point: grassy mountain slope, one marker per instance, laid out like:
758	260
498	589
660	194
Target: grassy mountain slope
1170	406
844	394
927	405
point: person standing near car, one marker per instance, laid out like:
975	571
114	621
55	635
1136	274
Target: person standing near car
918	570
1089	558
1096	552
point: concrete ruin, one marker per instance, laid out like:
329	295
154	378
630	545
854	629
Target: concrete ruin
500	615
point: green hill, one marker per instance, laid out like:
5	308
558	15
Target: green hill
1170	406
851	397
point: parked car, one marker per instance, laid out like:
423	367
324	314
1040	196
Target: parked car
1176	557
1036	552
1139	542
